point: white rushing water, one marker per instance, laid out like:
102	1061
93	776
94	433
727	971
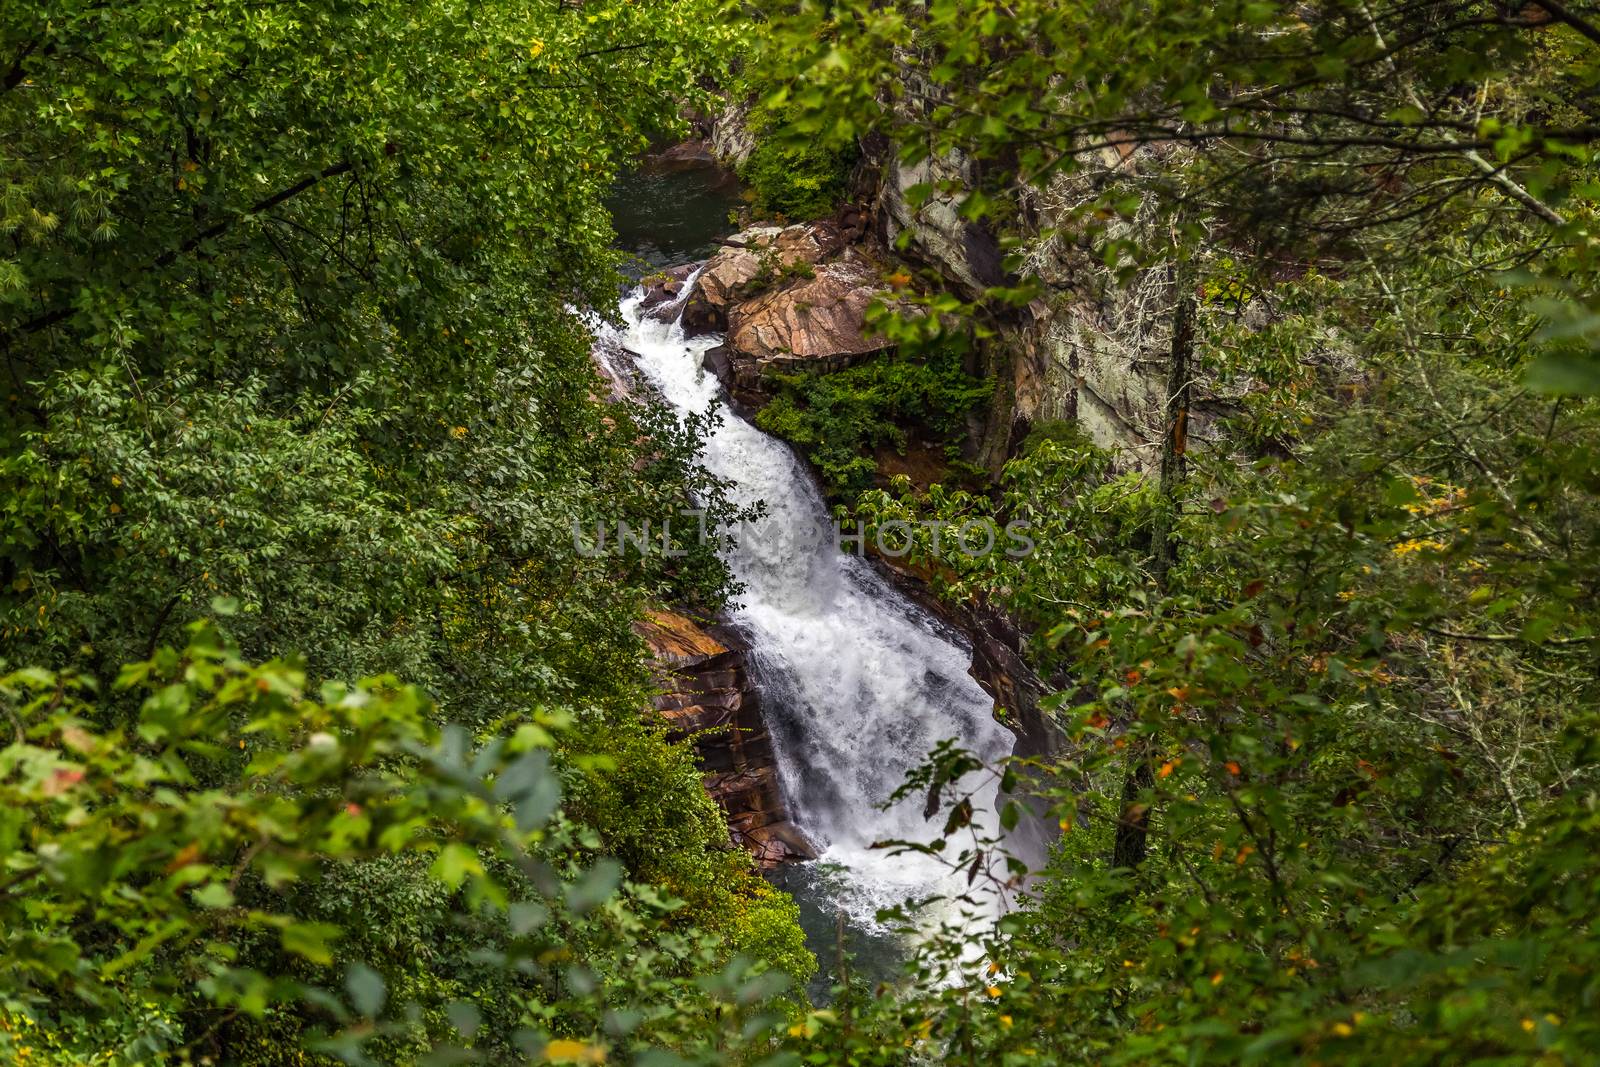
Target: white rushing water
858	683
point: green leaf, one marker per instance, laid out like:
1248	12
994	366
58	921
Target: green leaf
366	989
1565	374
464	1017
310	940
594	887
213	895
455	862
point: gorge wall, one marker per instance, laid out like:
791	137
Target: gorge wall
707	698
1086	351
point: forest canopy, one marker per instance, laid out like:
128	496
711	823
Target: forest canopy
324	742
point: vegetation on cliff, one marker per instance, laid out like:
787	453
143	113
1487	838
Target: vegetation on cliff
323	740
1325	691
838	419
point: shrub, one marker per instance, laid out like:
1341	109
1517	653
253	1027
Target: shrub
793	180
839	418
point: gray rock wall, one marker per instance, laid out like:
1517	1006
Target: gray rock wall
1088	351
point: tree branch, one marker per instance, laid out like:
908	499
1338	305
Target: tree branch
257	208
15	75
51	318
1561	13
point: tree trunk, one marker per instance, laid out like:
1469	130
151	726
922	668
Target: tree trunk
1174	436
1133	825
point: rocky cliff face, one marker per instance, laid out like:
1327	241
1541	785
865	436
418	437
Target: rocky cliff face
706	697
1089	351
731	138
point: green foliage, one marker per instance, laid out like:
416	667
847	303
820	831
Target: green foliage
793	180
310	347
1088	527
284	304
286	298
839	418
1350	726
238	848
650	810
1360	703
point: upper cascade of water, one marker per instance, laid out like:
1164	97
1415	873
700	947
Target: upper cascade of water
859	684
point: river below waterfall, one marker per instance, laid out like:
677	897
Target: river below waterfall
858	683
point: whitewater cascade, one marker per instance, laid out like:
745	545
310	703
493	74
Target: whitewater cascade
858	683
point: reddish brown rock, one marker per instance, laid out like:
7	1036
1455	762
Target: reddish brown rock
787	297
818	318
752	261
707	699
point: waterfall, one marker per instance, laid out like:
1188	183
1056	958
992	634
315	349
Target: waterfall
858	683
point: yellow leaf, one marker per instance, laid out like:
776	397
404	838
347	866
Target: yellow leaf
564	1051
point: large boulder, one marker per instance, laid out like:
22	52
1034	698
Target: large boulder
754	260
787	297
707	698
815	319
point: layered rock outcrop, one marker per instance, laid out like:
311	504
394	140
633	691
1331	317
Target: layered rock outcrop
787	298
755	260
732	139
706	698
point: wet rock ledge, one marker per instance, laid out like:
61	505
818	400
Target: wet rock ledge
707	698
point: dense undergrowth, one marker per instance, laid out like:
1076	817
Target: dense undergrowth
840	419
285	301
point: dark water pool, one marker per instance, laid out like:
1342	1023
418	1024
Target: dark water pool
668	217
871	955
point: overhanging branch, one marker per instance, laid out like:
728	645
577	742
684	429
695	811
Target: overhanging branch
60	314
